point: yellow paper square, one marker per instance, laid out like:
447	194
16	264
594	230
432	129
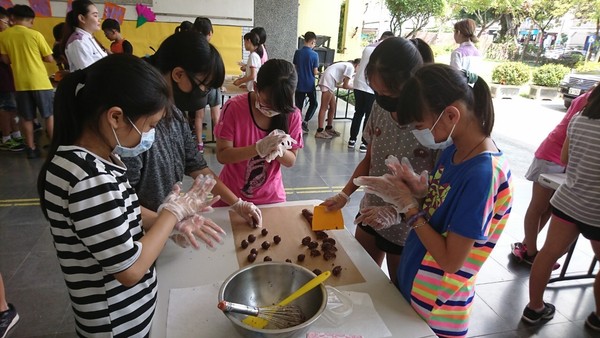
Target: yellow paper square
327	220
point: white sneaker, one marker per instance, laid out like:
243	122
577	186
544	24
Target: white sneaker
323	134
362	148
332	132
351	144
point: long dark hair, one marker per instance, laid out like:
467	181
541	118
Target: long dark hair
278	78
394	60
78	7
118	80
262	38
255	40
592	108
203	25
434	87
191	51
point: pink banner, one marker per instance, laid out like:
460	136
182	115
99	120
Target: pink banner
41	7
6	4
113	11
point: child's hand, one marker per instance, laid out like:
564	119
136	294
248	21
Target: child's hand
197	227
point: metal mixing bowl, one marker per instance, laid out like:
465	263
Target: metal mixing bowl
265	284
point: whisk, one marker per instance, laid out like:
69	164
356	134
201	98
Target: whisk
288	315
278	317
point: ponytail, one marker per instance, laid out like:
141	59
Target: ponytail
435	86
483	106
84	95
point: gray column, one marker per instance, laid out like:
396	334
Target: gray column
280	20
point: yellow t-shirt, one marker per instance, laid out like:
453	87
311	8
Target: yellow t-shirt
26	47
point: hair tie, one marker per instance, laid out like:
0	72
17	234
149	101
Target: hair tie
81	82
471	77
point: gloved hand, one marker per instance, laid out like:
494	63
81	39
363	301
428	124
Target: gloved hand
197	226
270	143
193	201
418	184
282	147
336	201
379	217
250	212
391	189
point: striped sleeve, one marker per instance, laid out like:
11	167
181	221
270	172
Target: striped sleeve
100	218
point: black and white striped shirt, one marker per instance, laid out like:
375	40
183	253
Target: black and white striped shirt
579	196
96	225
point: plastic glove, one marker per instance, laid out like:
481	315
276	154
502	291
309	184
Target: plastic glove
193	201
250	212
336	201
418	184
270	143
379	217
286	144
197	226
390	188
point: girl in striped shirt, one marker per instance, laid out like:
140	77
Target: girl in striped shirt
465	204
575	207
103	112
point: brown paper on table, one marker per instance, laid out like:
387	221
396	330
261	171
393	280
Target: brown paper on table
288	223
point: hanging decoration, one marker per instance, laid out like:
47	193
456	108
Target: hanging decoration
114	11
6	4
41	8
145	14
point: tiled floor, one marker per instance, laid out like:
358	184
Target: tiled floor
34	283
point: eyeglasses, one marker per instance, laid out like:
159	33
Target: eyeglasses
203	89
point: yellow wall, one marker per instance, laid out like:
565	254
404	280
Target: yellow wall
323	17
353	30
226	39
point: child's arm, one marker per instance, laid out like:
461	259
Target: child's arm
289	158
250	76
227	153
564	152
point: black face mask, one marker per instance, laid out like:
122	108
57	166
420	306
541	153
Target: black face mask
191	101
388	103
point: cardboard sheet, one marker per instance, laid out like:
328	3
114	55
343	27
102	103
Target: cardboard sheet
288	223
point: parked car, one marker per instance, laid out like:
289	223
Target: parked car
575	84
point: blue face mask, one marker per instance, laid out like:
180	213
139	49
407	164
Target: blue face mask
144	145
425	137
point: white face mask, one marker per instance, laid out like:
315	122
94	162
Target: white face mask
265	111
425	137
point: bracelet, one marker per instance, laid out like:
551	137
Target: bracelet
419	224
412	219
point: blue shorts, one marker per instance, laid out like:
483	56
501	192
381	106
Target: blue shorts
214	97
7	102
30	101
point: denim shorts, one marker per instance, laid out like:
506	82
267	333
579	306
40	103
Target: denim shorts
7	101
539	166
30	101
214	97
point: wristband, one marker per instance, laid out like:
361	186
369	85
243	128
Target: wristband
412	219
343	194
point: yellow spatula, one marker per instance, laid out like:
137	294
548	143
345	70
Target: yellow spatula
261	323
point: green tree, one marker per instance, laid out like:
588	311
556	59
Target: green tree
417	11
485	12
589	10
544	13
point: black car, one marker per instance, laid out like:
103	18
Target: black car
576	84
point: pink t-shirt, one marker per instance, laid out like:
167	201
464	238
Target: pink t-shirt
551	147
253	180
